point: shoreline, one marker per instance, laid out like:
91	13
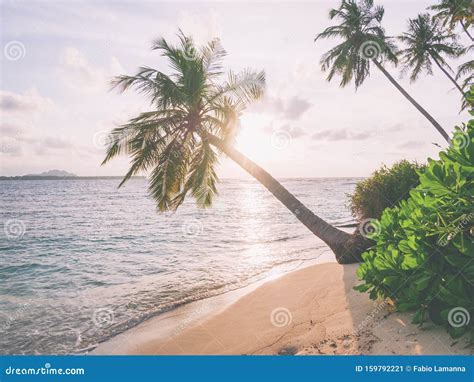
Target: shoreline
170	322
310	310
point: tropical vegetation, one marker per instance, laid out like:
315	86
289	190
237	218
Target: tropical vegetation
386	187
453	12
424	251
428	42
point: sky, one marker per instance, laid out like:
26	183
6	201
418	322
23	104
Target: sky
58	58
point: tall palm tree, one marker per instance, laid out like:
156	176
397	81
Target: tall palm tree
364	42
194	116
452	12
426	40
466	70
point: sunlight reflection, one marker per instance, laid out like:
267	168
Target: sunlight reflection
256	230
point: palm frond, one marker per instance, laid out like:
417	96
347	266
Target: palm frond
169	142
202	180
359	25
426	40
212	55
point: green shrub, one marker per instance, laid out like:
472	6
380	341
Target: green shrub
424	252
385	188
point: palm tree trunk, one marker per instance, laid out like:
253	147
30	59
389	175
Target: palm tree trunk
346	247
412	100
448	75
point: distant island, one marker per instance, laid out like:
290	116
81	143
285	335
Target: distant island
51	174
55	173
59	174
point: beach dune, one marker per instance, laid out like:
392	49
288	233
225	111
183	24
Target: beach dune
313	310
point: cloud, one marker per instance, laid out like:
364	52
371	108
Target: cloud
296	107
295	132
341	135
10	130
289	108
80	74
10	146
25	124
20	113
47	145
29	101
412	145
202	26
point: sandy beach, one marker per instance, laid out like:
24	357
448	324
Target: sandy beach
313	310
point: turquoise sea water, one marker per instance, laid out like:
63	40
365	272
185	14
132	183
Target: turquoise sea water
81	261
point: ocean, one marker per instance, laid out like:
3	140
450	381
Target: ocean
81	261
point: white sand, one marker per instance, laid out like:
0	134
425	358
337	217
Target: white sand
313	310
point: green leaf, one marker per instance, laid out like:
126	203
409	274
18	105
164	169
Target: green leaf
419	317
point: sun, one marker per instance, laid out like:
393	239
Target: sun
252	139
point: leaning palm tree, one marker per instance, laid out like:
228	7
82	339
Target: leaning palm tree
194	117
364	42
426	42
451	12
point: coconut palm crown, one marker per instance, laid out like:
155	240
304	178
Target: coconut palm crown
466	74
363	41
451	12
170	142
427	41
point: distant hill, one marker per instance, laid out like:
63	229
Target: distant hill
51	174
55	173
